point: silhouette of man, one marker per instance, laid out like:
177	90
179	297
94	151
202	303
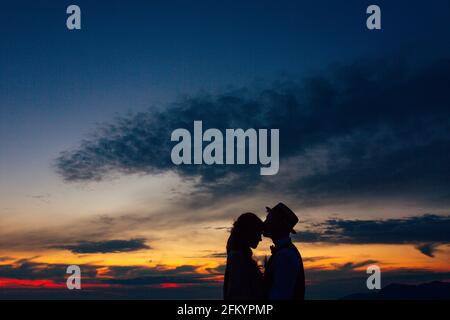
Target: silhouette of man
284	275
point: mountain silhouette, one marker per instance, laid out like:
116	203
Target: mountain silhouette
436	290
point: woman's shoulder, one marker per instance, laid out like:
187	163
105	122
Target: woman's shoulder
236	254
242	259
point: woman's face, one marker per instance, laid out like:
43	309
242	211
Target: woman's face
255	238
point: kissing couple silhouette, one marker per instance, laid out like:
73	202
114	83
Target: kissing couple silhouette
283	277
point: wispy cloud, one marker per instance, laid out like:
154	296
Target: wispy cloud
107	246
354	265
428	249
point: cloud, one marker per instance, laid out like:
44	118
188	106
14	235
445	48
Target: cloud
352	265
108	246
5	258
427	249
426	232
217	255
368	129
42	197
315	258
26	269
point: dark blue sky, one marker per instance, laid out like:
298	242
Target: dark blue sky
367	138
55	84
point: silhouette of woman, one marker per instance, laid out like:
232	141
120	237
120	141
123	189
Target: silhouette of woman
243	279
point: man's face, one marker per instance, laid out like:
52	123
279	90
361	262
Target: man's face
269	225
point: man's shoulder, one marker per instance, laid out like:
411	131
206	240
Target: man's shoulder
287	254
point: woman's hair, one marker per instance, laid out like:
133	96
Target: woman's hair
247	224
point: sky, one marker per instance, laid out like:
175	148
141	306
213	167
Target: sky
86	117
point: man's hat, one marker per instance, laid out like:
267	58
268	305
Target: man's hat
284	213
